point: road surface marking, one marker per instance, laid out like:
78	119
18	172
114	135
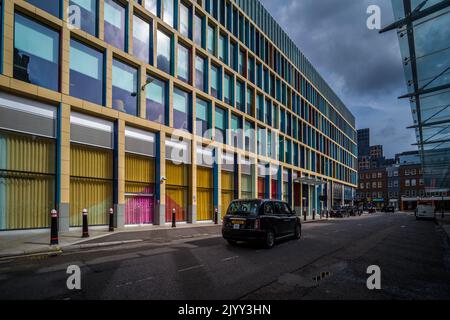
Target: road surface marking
129	283
230	258
191	268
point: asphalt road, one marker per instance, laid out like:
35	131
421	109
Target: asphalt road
329	262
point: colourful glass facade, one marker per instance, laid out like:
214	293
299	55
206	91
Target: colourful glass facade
147	65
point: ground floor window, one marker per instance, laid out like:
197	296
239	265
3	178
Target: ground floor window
261	187
227	194
274	189
285	191
205	194
91	184
246	186
27	181
176	191
139	189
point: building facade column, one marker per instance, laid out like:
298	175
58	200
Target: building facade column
119	174
63	164
160	180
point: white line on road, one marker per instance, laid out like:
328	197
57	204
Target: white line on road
230	258
191	268
133	282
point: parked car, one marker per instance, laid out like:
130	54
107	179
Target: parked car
339	212
263	221
424	211
353	211
388	209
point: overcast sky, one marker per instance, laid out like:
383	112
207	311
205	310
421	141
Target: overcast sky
363	67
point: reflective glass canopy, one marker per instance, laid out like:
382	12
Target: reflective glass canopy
424	38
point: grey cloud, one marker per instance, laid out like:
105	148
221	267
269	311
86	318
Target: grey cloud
362	66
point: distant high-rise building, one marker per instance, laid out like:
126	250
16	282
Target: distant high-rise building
376	151
363	142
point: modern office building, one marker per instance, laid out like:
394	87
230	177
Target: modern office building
155	106
363	142
424	37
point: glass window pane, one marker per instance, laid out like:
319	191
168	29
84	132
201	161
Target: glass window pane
124	88
211	39
51	7
183	63
115	24
150	5
156	100
214	81
220	125
241	63
232	56
88	10
222	48
202	115
180	109
86	72
200	73
240	96
168	12
164	52
198	30
227	89
184	20
36	53
141	39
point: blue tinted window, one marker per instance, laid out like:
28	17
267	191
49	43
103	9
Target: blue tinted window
141	39
220	125
200	75
164	49
124	88
211	39
185	20
88	10
215	74
36	53
202	117
227	89
115	24
156	100
181	109
223	48
240	96
86	72
51	6
183	63
198	22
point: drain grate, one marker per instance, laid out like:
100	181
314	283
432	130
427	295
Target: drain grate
323	275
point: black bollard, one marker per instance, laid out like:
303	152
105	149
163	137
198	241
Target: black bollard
216	216
314	214
174	218
54	228
304	214
85	224
327	213
111	219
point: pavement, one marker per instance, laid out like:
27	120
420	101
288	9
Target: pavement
34	242
31	242
330	261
